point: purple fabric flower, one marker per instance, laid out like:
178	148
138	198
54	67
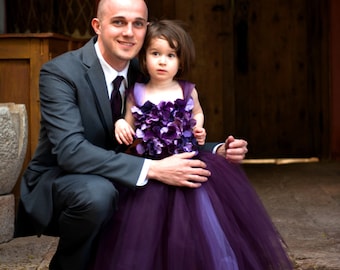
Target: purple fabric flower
165	129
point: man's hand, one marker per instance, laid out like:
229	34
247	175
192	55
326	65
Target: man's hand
233	149
179	170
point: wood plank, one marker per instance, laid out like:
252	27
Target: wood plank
14	50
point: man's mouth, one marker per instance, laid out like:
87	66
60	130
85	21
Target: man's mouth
125	43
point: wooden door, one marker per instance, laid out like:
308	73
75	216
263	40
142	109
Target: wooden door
261	71
281	77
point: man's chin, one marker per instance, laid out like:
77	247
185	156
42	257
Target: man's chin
127	55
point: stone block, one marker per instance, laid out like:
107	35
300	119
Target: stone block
7	207
13	144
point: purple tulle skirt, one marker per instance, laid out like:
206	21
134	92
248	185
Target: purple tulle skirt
221	225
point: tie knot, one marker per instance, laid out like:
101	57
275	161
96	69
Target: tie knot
116	82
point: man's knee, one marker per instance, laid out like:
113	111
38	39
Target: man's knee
104	198
99	200
89	198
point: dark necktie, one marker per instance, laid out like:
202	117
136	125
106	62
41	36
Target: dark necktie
116	99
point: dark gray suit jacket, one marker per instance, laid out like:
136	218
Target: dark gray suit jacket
76	134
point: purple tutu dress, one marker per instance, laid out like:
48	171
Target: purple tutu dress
220	226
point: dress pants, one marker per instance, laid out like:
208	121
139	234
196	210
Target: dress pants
82	205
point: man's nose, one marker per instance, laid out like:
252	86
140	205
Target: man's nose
128	30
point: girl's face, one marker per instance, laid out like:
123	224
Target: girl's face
161	60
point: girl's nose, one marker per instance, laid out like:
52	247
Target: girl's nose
162	59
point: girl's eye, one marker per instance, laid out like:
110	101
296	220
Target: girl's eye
155	53
172	55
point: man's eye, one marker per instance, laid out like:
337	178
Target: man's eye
139	24
118	23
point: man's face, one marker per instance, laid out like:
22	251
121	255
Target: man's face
121	27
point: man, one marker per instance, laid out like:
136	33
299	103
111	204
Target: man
68	188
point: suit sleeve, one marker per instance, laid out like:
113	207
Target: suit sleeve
209	146
61	116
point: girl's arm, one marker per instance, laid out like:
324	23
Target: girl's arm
124	128
197	112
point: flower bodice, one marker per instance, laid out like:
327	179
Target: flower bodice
166	128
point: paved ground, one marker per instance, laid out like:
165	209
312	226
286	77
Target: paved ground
302	199
304	203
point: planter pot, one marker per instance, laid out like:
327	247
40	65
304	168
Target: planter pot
13	144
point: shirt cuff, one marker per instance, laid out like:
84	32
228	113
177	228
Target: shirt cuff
142	180
216	147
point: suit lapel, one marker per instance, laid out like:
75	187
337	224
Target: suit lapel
98	87
96	81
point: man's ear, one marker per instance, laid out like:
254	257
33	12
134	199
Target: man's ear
95	23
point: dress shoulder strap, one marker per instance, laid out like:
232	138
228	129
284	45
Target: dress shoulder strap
187	88
138	93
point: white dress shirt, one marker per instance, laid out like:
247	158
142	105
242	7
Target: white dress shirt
110	74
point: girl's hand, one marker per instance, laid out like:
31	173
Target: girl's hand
200	135
124	133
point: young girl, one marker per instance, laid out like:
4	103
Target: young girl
220	225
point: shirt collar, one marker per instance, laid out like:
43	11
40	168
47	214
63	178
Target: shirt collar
109	72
